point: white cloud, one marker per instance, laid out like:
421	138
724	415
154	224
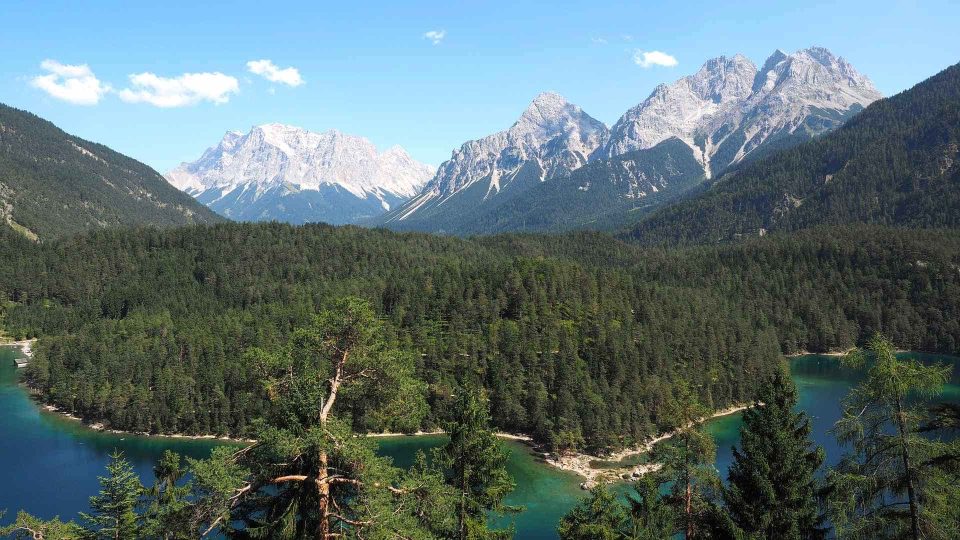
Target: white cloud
646	59
435	36
268	70
187	89
599	40
73	84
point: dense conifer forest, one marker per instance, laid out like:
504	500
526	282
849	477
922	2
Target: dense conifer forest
579	339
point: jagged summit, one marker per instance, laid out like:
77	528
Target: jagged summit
729	108
274	160
554	133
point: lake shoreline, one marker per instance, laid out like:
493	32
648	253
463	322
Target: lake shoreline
25	345
580	463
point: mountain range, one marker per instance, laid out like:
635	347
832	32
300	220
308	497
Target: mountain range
726	113
285	173
555	168
53	184
534	176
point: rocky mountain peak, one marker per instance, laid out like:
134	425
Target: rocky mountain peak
551	137
730	107
275	156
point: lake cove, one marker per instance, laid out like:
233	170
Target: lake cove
49	464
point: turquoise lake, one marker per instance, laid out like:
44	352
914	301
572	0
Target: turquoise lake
50	464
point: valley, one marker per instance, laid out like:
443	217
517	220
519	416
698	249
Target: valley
447	272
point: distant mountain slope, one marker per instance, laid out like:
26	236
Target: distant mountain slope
284	173
603	194
53	184
896	163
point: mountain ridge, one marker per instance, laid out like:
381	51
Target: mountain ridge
726	113
54	184
287	173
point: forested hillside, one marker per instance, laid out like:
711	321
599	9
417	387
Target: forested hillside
53	184
579	338
895	163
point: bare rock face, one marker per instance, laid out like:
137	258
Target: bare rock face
551	138
285	173
729	108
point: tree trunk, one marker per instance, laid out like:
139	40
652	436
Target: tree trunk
908	471
463	508
323	466
323	493
689	489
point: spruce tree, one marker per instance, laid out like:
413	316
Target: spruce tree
771	488
477	465
113	512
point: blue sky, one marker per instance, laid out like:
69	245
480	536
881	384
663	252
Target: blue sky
370	69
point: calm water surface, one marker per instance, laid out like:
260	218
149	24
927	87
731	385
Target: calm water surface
49	465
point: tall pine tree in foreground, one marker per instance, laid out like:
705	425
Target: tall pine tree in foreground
477	465
688	458
309	475
28	527
114	513
598	517
883	487
772	485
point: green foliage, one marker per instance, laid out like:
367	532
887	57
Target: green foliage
600	516
53	184
651	518
168	512
688	457
895	163
113	512
477	465
27	527
309	475
882	488
772	490
576	338
597	517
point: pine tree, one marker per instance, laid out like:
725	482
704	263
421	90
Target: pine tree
309	475
477	464
114	513
688	457
651	518
28	527
597	517
167	515
878	490
772	485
